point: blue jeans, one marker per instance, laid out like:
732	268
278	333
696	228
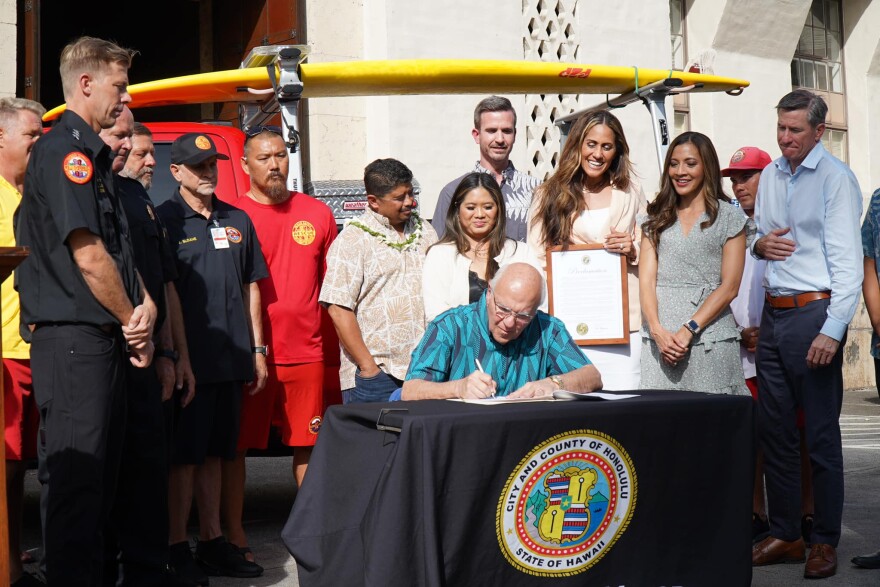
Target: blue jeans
377	388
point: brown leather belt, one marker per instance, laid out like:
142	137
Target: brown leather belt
797	301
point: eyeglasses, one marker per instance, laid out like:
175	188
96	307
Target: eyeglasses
502	312
743	178
252	131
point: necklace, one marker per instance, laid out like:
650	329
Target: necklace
480	252
588	190
589	193
383	238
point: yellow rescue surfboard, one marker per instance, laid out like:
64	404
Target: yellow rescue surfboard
415	76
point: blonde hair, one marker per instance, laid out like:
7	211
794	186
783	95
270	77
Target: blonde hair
89	55
10	107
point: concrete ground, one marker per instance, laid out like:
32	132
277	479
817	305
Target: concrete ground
270	495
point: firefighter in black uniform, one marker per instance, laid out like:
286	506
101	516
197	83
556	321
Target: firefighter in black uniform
84	309
138	532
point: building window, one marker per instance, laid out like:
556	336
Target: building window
817	63
818	66
680	102
834	141
676	27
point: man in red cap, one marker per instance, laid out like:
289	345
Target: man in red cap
744	172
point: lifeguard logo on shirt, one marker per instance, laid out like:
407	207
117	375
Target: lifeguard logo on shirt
566	504
233	234
304	232
737	157
315	424
77	167
203	143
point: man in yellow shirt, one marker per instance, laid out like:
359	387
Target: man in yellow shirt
20	127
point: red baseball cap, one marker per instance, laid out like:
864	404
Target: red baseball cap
747	159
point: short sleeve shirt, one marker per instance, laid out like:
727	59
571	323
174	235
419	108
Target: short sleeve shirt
382	285
211	284
871	250
13	345
295	236
152	253
69	186
458	337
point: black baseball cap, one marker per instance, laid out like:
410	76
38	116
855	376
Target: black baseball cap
193	148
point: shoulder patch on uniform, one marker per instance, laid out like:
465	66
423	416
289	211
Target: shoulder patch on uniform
233	234
77	167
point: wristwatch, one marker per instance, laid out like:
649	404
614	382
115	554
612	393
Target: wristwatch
692	326
168	354
261	350
557	379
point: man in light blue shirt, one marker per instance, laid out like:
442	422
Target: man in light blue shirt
807	216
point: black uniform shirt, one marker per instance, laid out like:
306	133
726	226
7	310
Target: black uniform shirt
153	256
69	185
211	284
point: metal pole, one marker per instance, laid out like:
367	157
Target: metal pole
289	92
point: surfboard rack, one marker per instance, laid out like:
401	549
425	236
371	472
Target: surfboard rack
653	96
282	63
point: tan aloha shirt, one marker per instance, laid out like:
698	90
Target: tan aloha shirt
383	287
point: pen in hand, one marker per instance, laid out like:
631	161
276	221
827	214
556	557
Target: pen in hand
480	367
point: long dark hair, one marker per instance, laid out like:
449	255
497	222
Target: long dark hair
662	212
454	232
560	200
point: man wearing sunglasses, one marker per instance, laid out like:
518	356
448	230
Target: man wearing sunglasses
500	345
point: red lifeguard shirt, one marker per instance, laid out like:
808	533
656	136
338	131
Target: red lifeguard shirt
295	237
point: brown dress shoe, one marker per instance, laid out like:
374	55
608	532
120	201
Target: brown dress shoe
822	562
771	551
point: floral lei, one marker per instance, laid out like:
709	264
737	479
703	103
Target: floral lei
412	240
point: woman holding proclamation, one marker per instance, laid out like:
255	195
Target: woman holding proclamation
693	251
592	198
457	269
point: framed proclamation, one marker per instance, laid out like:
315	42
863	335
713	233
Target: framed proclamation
587	290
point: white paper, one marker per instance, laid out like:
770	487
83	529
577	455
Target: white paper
561	395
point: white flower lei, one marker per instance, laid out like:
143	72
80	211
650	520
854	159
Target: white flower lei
409	242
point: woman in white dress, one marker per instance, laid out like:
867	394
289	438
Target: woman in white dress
592	198
457	269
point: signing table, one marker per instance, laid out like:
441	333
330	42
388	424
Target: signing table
653	490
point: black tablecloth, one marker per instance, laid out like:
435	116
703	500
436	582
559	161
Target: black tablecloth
425	506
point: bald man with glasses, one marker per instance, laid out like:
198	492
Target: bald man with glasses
500	345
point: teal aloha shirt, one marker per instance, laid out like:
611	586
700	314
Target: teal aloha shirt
871	249
455	338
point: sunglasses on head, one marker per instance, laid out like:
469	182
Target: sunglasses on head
253	131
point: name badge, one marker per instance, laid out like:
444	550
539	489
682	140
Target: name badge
218	235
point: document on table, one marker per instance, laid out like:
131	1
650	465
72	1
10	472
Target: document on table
560	395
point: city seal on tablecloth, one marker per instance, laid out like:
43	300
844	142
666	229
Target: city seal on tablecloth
566	503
